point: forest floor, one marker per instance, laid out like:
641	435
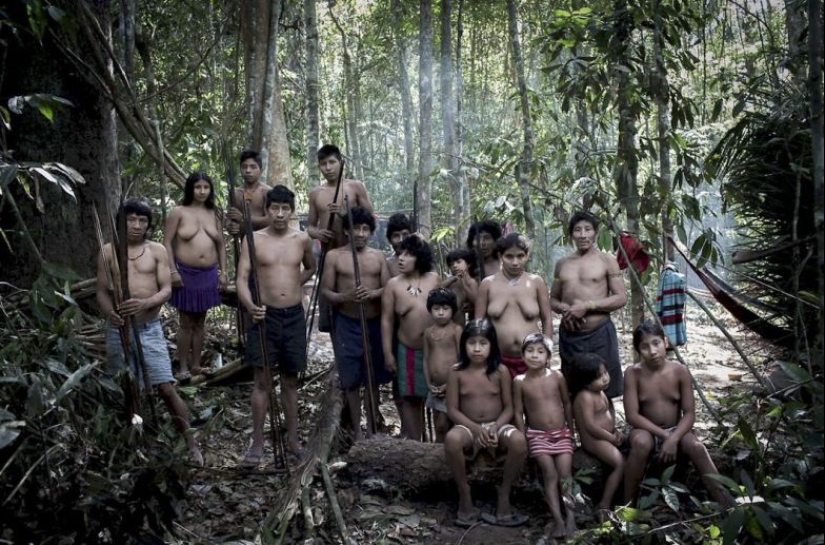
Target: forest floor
227	505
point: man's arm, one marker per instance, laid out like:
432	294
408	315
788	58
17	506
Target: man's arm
481	299
427	360
688	404
310	266
242	285
223	272
328	288
361	197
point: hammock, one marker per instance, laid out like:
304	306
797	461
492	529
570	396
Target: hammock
759	325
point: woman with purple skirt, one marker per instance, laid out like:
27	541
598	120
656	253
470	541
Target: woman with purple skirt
194	242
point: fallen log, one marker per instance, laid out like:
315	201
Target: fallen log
416	467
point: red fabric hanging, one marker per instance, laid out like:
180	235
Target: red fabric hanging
635	252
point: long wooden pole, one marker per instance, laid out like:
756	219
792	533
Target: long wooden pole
274	405
236	239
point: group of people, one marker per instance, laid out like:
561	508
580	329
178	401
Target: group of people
475	348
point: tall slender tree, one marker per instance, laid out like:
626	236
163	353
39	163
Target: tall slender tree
406	98
524	168
449	156
425	98
313	87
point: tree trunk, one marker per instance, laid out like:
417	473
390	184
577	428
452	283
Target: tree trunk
274	148
406	99
524	169
255	17
350	90
818	141
627	166
449	159
660	93
461	178
425	97
82	137
313	87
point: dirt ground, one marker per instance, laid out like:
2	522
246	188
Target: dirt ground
226	505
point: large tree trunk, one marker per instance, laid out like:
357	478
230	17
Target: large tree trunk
82	136
818	141
425	97
449	158
313	87
524	169
404	87
274	146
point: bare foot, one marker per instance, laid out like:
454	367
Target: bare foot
602	514
195	455
559	531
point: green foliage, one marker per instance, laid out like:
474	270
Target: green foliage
69	465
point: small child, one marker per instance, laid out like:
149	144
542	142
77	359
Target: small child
596	421
659	406
480	404
541	395
441	352
461	263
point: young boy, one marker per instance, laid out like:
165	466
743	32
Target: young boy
398	228
253	191
441	351
541	395
659	407
480	403
462	282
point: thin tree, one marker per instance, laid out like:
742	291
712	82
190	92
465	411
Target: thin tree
404	88
425	97
524	167
313	85
818	141
449	160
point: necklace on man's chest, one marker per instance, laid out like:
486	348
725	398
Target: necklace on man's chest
140	254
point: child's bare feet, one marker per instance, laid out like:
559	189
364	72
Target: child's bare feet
559	530
570	524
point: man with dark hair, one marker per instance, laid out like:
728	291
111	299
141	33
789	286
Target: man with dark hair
398	227
280	253
253	191
587	287
405	298
323	205
338	285
515	301
150	286
487	233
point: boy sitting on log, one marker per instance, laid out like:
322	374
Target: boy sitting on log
480	404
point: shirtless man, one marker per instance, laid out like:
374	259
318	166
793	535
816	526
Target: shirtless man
321	205
150	286
515	300
338	286
321	197
253	191
398	227
280	252
587	287
487	232
405	298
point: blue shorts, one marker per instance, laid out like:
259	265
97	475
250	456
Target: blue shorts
286	341
349	351
155	353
